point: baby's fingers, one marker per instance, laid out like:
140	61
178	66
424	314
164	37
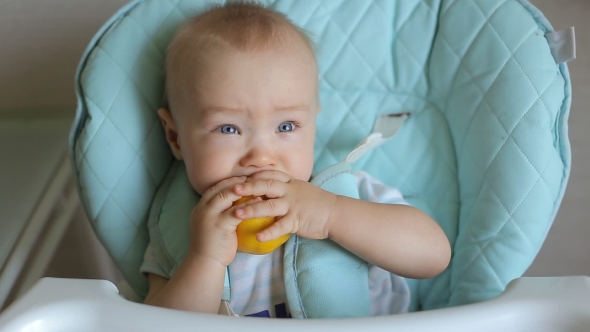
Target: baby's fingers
247	203
267	208
269	175
223	200
221	185
270	188
278	229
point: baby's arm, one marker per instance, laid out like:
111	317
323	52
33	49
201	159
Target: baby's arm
399	238
197	284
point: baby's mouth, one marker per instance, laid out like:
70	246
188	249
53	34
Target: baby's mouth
258	171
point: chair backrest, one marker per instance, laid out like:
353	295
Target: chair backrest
485	151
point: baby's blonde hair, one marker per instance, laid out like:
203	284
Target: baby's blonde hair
244	26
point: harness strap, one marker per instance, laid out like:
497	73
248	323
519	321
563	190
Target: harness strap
322	279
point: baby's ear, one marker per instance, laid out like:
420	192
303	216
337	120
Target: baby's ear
171	131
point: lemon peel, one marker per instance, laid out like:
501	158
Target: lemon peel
247	230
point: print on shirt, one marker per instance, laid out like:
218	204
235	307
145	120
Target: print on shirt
280	311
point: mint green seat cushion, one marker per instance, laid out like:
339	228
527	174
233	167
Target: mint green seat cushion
485	151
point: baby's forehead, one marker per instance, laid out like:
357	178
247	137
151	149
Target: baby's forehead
202	47
234	27
200	58
205	60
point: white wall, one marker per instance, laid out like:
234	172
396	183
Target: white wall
41	42
567	249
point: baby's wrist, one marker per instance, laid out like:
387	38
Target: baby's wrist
201	255
203	261
334	218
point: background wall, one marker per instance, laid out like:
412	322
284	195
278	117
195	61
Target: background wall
41	44
567	249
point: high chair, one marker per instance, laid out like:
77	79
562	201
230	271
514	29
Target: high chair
485	153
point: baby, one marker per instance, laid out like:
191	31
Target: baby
240	110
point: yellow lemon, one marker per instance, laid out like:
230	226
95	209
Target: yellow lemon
247	230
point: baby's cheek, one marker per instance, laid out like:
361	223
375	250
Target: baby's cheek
302	167
206	173
197	176
197	182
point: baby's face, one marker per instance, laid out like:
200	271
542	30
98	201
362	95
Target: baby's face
249	112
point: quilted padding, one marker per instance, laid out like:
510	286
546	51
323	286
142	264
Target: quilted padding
485	151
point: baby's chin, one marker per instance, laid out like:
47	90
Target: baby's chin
201	188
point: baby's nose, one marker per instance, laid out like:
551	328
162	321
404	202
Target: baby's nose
258	156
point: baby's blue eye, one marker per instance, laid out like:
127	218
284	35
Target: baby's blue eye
286	126
228	129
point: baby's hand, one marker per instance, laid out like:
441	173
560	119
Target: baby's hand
213	222
300	207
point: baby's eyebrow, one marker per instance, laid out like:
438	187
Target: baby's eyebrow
294	108
214	110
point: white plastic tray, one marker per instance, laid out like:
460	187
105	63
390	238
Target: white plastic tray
528	304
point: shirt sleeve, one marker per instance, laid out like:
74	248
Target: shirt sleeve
389	293
150	263
372	190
